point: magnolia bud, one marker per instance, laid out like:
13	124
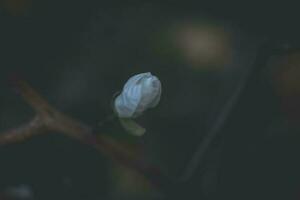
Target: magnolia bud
142	91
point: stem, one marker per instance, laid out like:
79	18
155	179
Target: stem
50	119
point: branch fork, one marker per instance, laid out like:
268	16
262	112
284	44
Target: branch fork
49	119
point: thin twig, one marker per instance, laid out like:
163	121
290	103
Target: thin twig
24	132
50	119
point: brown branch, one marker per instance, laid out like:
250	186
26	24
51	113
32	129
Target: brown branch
39	104
50	119
34	127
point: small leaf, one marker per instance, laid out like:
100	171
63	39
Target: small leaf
132	127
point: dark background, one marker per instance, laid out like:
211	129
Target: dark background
79	53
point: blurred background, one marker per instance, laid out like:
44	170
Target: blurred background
78	54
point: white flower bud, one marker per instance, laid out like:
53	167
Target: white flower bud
142	91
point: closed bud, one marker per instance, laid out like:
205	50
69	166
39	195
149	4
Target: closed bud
142	91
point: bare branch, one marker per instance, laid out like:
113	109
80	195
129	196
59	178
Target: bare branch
39	104
50	119
24	132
